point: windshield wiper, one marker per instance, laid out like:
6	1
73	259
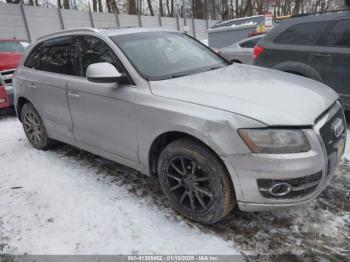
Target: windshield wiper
215	67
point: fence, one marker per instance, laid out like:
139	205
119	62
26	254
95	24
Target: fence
29	23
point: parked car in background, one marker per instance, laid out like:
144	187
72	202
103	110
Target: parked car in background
11	52
4	102
242	51
216	135
316	46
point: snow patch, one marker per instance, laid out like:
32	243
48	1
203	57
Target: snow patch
52	204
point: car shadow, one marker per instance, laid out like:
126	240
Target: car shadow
8	112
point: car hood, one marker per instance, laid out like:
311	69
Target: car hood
9	60
271	97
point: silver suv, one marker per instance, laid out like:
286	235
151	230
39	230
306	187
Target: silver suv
217	135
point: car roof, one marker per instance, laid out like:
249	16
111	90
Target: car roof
316	17
113	31
251	38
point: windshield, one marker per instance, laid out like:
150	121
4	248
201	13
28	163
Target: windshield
164	55
11	46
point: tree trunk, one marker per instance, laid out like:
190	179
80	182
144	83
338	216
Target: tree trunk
161	12
100	7
168	7
198	9
150	7
172	8
66	4
225	10
132	7
94	5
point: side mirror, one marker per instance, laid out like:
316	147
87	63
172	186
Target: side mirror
103	73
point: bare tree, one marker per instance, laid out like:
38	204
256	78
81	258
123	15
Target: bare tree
94	5
132	7
149	3
161	12
66	4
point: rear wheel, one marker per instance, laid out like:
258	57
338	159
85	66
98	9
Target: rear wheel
34	128
195	181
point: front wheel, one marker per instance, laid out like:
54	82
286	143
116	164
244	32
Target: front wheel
34	128
195	181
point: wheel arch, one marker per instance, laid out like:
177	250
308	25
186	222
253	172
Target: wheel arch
164	139
299	68
21	101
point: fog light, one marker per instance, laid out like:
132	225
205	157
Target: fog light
2	100
280	189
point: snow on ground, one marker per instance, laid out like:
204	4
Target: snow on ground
52	204
72	202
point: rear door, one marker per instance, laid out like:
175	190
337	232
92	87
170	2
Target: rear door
331	58
289	50
46	73
103	113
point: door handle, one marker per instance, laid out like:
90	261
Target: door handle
73	95
322	55
31	85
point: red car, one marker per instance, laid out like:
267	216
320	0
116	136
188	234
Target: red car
11	52
4	102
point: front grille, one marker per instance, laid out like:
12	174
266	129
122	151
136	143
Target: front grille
6	77
300	186
330	139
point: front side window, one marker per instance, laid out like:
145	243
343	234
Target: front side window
301	34
340	34
164	55
11	46
90	50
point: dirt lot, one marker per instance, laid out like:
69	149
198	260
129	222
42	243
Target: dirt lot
320	229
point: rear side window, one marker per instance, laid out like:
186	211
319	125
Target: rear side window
339	36
33	59
302	34
250	43
54	55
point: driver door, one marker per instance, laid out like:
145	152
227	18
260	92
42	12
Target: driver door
103	114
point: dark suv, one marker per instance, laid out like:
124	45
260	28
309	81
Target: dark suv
316	46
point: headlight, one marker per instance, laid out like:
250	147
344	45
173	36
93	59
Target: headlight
275	141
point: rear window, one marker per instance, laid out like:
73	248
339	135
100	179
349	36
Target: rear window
11	46
250	43
302	34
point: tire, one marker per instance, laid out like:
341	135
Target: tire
34	128
204	191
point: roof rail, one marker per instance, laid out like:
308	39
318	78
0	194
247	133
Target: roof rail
321	13
86	29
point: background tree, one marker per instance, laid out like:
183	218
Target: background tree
132	7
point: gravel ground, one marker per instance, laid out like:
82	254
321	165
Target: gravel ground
320	229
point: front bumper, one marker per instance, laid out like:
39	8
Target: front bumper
247	169
10	94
